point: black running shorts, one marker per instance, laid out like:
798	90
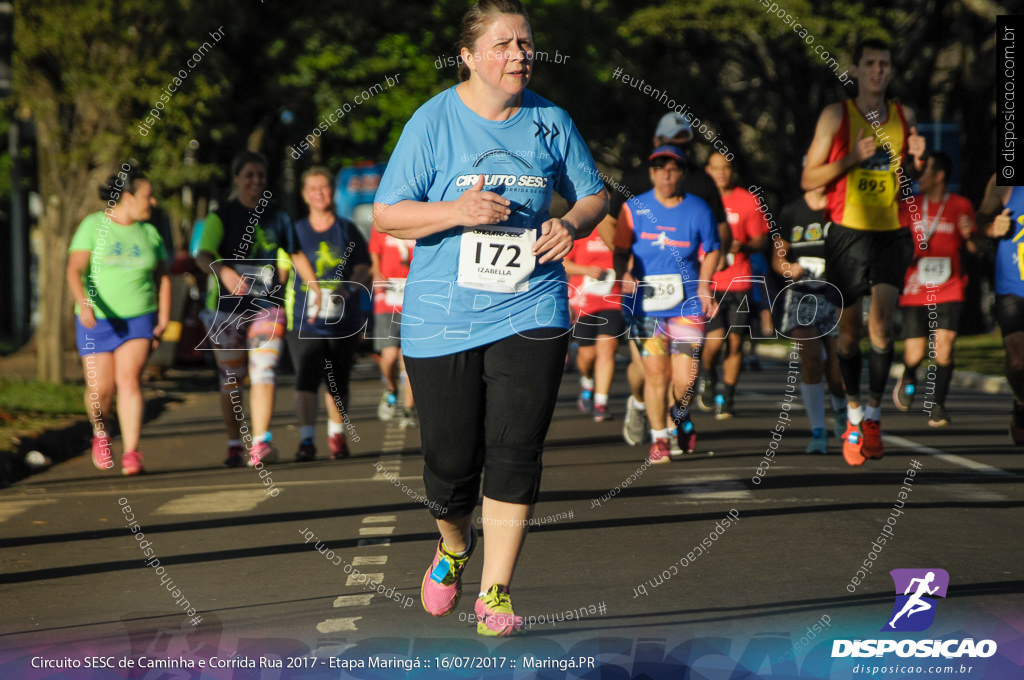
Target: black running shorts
485	412
856	260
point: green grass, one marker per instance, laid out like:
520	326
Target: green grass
29	396
981	353
978	353
29	406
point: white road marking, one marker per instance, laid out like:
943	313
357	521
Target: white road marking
43	491
353	600
338	625
221	501
971	492
376	531
362	560
379	519
389	465
948	457
362	578
9	509
713	487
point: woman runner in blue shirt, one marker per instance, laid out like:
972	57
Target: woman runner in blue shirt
485	318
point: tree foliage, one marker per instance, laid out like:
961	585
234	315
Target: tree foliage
90	71
87	73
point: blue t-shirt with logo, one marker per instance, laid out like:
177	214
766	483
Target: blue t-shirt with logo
1010	251
468	287
666	245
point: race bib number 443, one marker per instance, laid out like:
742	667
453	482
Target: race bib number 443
498	259
934	271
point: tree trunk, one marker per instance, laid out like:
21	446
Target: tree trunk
53	299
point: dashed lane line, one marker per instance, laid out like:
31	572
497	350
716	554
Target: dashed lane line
338	625
951	458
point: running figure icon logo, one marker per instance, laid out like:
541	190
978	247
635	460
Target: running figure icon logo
915	609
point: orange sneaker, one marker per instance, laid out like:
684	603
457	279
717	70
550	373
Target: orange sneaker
873	447
853	444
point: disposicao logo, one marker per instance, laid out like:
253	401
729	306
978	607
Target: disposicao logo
914	610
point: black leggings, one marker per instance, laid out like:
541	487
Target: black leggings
328	358
487	408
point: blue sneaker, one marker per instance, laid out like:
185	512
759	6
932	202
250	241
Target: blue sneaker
388	406
686	435
903	393
586	401
819	441
723	408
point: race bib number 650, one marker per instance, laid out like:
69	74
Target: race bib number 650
662	292
498	259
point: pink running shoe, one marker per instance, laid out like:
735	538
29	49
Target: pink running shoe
131	463
101	457
661	452
262	452
494	615
442	584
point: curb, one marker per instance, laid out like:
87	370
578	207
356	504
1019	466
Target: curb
59	443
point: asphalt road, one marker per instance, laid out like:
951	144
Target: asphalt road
621	582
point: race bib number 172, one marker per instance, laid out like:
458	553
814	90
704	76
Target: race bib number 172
498	259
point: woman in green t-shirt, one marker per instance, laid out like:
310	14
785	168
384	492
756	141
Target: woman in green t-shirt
117	272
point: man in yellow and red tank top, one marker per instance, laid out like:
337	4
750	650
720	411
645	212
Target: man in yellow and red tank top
865	152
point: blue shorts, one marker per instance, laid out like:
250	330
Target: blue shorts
109	334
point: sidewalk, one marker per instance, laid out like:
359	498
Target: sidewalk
175	398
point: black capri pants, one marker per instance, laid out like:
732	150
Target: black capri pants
487	409
328	358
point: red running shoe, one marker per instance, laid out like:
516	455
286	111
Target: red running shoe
338	445
853	444
873	447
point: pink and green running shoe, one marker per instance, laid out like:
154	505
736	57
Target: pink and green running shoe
494	615
442	584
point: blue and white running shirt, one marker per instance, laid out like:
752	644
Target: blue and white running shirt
665	243
470	286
